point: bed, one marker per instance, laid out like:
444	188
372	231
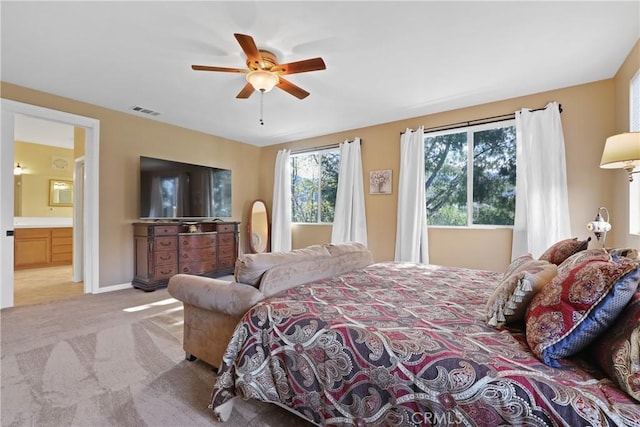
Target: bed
407	344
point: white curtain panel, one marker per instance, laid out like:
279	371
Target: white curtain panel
412	244
350	221
281	222
542	201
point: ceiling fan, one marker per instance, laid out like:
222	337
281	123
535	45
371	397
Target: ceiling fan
264	73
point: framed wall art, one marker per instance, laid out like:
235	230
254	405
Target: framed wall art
380	181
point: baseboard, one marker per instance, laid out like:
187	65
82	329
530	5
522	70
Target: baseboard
113	288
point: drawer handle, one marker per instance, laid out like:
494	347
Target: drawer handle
165	258
185	242
165	243
185	269
185	255
165	272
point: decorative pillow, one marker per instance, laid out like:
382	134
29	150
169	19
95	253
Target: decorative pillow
518	264
511	298
563	249
618	350
625	252
583	300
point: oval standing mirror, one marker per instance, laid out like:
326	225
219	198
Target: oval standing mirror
258	227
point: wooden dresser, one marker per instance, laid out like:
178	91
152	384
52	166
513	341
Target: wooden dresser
42	247
163	249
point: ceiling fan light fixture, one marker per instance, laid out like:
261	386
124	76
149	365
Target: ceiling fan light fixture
262	80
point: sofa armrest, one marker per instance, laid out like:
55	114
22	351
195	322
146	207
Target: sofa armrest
230	298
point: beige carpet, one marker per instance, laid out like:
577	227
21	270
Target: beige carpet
113	359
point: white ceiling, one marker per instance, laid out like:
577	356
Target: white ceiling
385	61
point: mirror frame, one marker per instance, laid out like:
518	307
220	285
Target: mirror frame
52	191
252	249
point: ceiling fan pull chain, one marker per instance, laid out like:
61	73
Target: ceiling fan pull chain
261	106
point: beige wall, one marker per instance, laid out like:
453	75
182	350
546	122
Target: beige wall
123	139
32	187
620	212
588	118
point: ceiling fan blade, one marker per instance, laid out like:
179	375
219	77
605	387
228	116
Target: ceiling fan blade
294	90
250	49
224	69
304	66
246	91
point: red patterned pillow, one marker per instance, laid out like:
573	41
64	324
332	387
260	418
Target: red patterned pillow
560	251
584	299
618	350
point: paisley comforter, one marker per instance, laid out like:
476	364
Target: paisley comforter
406	344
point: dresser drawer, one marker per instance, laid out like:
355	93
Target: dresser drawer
197	241
226	228
166	243
227	261
198	254
227	239
163	230
197	267
164	271
165	257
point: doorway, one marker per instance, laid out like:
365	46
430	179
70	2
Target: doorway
48	192
89	226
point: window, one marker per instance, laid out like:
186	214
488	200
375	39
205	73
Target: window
314	184
470	175
634	126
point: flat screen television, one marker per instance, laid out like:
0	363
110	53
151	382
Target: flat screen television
175	190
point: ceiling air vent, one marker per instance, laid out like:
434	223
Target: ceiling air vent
143	110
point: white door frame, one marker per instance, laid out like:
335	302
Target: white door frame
79	177
90	225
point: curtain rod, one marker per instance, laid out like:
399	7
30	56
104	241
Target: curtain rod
322	147
486	120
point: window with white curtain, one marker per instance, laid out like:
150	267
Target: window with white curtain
314	185
470	175
634	126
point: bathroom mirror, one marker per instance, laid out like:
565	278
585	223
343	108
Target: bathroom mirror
258	228
60	192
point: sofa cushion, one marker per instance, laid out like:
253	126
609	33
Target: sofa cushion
618	350
560	251
511	298
582	301
249	268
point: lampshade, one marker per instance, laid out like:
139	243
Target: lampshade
621	151
262	80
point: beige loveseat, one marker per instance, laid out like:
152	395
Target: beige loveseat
213	307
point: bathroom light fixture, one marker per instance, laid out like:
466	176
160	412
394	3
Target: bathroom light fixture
18	169
622	152
600	226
